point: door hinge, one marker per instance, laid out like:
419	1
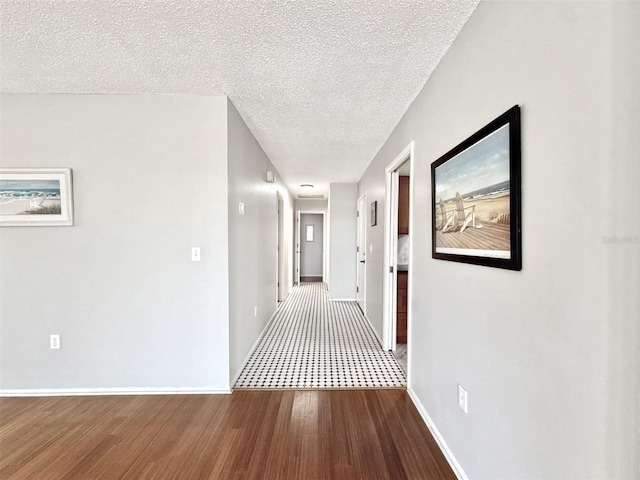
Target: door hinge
357	289
357	249
390	268
358	214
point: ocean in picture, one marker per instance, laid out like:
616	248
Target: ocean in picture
494	191
30	197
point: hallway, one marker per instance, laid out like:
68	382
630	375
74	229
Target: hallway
315	343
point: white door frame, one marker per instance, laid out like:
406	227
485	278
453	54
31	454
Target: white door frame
299	236
391	248
362	253
297	229
280	277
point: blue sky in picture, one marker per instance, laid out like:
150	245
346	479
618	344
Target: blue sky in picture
29	185
484	164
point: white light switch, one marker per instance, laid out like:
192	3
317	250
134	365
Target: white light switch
241	208
371	248
462	399
195	254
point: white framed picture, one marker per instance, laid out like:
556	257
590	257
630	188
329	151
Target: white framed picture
36	197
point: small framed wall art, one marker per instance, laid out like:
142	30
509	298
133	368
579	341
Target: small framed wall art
374	213
36	197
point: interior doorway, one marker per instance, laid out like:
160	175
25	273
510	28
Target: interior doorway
361	250
397	254
311	247
281	287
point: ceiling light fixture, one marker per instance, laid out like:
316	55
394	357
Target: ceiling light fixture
306	185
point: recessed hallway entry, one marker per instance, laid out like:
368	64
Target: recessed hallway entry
311	247
314	343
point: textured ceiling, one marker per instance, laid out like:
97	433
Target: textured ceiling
320	83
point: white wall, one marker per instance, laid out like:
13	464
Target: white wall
343	205
253	240
549	355
150	182
311	205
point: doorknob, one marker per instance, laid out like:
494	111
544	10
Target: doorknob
361	261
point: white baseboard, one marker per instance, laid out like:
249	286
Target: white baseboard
342	300
373	329
456	467
252	349
70	392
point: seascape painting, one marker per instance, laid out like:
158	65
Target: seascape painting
35	197
30	197
476	210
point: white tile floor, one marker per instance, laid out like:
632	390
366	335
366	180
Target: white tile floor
315	343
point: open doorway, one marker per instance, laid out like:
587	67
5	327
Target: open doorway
361	251
281	290
311	247
398	233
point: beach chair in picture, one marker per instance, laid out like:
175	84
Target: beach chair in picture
36	203
446	218
464	218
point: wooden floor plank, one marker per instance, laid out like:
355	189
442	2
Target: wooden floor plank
318	434
492	236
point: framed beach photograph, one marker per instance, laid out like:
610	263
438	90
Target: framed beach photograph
35	197
475	197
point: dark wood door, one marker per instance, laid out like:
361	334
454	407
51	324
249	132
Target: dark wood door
401	311
403	205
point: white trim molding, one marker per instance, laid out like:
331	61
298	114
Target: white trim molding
255	345
81	392
375	332
446	451
390	245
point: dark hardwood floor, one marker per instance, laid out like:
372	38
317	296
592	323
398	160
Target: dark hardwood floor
251	434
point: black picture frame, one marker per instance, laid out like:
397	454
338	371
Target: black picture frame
374	213
476	197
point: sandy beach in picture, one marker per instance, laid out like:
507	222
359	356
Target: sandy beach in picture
492	230
25	206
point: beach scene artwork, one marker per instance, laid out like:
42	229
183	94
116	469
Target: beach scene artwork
30	197
35	196
473	199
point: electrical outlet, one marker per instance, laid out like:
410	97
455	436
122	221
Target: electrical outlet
462	399
195	254
54	342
